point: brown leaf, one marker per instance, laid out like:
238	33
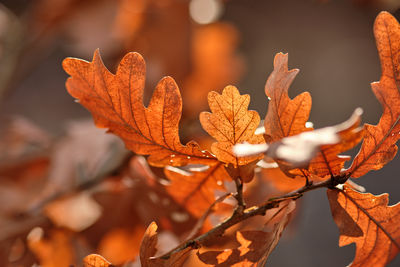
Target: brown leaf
367	221
195	190
148	249
255	246
54	251
379	146
285	116
116	103
94	260
231	123
121	245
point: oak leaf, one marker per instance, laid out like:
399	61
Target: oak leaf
230	123
367	221
285	116
379	146
195	190
148	250
116	103
94	260
255	246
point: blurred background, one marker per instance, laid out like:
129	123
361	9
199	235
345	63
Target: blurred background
205	45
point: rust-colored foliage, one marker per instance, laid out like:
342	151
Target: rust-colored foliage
379	146
231	123
255	246
195	190
196	203
285	116
116	103
368	221
148	249
94	260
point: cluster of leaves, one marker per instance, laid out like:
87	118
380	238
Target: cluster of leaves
307	155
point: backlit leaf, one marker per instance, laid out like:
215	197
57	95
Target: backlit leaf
379	146
367	221
285	116
231	123
116	103
255	246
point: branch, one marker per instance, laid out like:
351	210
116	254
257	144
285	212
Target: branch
236	217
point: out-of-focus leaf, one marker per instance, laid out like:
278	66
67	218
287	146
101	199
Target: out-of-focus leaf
54	251
76	212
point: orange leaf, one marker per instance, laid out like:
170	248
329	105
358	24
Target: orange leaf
368	221
327	162
54	251
285	116
195	190
148	249
231	123
94	260
121	245
379	146
116	103
255	246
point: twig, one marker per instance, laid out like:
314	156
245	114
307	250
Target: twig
200	222
236	217
239	196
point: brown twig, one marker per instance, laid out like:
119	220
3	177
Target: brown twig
201	221
236	217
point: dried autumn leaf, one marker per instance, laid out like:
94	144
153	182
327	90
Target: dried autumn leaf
231	123
367	221
116	103
148	249
255	246
94	260
285	116
195	190
379	146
